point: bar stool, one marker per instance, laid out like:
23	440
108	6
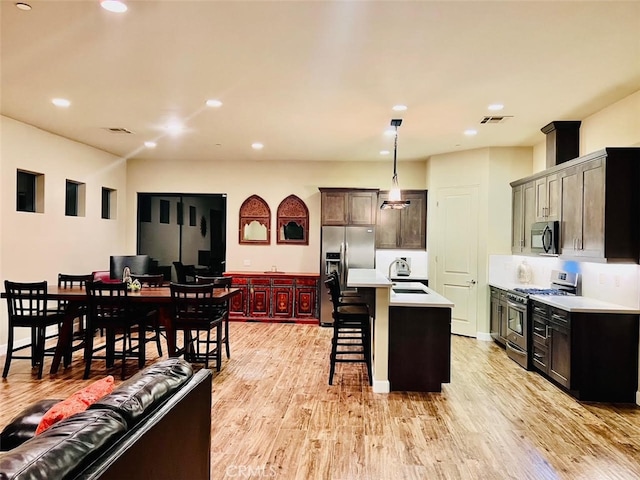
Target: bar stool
351	342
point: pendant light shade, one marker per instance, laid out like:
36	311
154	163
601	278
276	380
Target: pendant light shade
395	201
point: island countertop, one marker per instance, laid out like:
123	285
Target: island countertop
421	300
367	278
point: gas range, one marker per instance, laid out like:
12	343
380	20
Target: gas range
518	339
562	283
542	291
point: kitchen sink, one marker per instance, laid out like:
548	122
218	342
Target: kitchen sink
409	290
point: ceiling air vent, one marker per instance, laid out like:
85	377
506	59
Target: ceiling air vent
119	130
496	118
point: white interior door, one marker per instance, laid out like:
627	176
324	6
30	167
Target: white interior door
457	255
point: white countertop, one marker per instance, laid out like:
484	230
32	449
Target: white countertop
430	299
582	304
367	277
409	278
570	303
512	285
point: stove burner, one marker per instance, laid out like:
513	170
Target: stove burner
541	291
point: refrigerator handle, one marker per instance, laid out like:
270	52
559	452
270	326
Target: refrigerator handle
343	264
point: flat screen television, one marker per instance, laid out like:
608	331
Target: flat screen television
137	264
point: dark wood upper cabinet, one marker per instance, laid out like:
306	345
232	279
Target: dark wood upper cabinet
599	205
406	228
347	206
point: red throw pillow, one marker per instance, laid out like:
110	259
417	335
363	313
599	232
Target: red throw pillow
78	402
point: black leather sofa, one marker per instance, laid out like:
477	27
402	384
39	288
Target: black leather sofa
155	425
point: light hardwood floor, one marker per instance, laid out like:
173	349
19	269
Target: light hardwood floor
275	416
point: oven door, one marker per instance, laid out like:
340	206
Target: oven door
517	324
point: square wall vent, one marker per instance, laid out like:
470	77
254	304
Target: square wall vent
119	130
496	118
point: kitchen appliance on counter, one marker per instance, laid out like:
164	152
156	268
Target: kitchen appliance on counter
518	317
343	248
544	237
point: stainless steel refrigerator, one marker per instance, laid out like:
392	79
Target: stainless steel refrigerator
343	248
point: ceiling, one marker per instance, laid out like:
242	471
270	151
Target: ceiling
313	80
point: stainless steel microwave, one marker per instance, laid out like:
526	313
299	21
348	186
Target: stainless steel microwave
544	237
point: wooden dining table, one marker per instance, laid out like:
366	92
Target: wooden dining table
158	297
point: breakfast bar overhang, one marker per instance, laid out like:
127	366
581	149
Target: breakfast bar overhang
411	333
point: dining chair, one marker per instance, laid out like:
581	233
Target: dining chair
66	280
351	341
109	307
194	312
184	273
27	305
153	320
223	308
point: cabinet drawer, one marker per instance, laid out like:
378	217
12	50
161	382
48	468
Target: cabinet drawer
540	309
559	317
540	357
539	329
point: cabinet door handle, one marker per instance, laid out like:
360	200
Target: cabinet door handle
538	355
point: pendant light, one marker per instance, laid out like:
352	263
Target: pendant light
395	201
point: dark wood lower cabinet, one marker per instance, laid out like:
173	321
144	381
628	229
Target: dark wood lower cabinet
419	348
593	356
275	297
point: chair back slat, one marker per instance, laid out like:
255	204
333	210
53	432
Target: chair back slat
66	280
26	299
192	302
107	302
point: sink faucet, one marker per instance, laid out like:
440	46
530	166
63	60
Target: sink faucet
399	261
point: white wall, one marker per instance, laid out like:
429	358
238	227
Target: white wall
273	181
491	170
617	125
38	246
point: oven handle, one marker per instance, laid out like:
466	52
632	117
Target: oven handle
516	350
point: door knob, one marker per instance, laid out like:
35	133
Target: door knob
472	282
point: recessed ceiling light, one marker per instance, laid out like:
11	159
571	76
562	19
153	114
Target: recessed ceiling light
61	102
113	6
175	128
257	146
495	107
23	6
399	108
384	152
150	144
214	103
470	132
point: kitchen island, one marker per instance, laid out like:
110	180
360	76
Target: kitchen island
411	333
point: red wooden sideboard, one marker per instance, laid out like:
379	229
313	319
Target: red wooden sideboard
275	297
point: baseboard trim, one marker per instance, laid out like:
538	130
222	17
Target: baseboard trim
638	398
381	386
485	337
